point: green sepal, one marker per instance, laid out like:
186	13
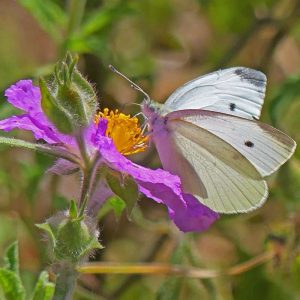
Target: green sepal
44	289
71	236
94	244
125	187
50	232
73	211
59	117
11	258
74	240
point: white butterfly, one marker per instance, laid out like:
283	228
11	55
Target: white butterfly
208	134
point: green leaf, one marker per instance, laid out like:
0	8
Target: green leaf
115	204
49	15
104	17
11	258
11	285
44	289
125	187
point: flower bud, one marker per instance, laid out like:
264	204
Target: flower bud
72	236
70	101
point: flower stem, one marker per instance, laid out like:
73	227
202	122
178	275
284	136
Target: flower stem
65	283
88	181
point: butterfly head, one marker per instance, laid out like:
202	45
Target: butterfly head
151	108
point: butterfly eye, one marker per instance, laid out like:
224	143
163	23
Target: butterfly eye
249	144
232	106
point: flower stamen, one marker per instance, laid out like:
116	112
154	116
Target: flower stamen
124	130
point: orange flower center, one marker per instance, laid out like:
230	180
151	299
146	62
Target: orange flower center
124	130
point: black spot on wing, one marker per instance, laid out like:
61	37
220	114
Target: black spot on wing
232	106
249	144
254	77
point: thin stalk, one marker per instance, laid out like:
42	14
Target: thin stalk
83	205
83	149
87	184
86	170
65	283
177	270
43	148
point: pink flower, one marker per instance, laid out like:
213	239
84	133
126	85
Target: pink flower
101	139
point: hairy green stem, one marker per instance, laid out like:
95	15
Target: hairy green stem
67	274
88	182
65	283
43	148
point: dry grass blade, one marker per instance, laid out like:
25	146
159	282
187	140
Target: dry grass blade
177	270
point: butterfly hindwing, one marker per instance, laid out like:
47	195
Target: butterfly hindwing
264	146
210	169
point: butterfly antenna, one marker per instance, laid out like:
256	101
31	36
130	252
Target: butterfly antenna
138	114
128	104
132	84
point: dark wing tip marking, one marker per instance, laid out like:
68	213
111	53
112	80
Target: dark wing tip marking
249	144
232	106
254	77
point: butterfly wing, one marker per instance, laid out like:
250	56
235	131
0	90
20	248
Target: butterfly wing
212	170
264	146
236	91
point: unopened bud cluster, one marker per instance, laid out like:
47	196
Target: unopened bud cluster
69	101
71	236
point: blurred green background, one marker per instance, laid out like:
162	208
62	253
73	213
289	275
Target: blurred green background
160	44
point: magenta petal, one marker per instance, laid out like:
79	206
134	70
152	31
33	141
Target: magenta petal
195	217
145	177
24	95
159	185
63	167
27	97
25	122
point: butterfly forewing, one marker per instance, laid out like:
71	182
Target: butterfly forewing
236	91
